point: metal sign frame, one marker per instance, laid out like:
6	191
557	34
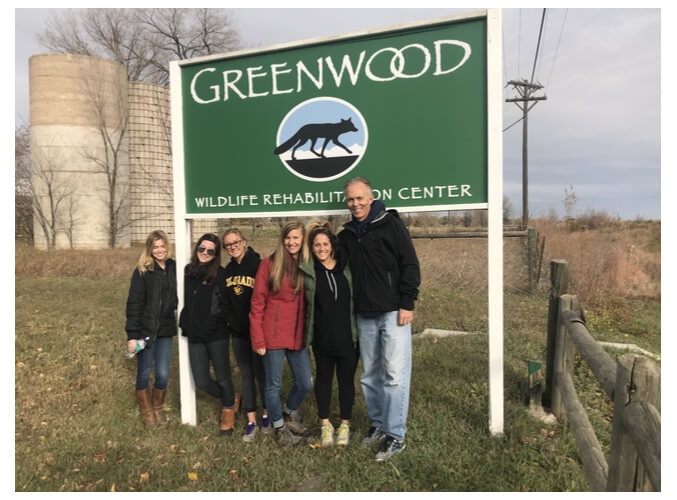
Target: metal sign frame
494	204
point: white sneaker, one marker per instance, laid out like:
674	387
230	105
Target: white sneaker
343	434
327	435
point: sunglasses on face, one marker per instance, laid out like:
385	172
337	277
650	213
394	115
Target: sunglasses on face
203	249
231	245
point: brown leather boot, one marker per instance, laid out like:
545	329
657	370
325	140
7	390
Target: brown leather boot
143	398
158	400
228	417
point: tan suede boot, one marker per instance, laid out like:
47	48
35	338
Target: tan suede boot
143	398
158	400
228	418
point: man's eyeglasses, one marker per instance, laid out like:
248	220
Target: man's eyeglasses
203	249
231	245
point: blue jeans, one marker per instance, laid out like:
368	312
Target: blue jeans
385	349
158	353
273	363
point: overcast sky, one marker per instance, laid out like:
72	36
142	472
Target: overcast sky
598	131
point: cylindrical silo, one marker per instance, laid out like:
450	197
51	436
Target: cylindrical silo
79	149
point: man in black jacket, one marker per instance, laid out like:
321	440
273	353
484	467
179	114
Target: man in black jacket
386	276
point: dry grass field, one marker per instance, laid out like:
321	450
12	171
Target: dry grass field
77	427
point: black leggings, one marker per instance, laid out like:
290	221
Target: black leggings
345	376
200	354
251	368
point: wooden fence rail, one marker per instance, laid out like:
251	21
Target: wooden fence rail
633	384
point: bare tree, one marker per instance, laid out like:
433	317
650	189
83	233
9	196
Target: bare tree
69	220
110	111
508	210
51	191
23	203
143	40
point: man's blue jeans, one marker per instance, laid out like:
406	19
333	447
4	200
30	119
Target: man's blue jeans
273	363
385	349
157	356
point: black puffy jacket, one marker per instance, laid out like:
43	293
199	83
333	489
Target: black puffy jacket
205	308
151	303
383	262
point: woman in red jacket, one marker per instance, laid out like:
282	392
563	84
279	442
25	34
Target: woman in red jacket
277	331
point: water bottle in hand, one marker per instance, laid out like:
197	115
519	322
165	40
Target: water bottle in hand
140	344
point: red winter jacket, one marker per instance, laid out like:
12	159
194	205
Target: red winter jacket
276	319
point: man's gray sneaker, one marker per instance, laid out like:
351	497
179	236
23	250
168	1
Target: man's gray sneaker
287	438
374	435
390	447
295	425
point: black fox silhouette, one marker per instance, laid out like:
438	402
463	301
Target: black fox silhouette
313	132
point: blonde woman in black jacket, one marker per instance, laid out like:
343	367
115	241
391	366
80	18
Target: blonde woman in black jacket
151	313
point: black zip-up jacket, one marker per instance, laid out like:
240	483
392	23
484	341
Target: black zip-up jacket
240	279
205	308
383	262
151	303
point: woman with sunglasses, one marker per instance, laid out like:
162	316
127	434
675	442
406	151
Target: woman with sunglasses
240	277
151	313
203	321
276	326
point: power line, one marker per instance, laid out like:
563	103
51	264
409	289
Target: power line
538	45
559	40
519	42
513	124
544	43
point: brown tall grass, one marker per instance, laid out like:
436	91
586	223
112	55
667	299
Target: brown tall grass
622	259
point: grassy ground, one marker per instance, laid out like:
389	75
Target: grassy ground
77	426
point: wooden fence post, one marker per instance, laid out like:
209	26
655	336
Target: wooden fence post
532	246
559	279
637	380
565	352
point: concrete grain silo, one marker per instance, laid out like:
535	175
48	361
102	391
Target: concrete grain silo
80	150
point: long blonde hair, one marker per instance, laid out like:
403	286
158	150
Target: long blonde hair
146	261
283	263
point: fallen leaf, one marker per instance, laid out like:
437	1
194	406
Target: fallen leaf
20	364
144	477
173	447
100	457
192	476
112	488
435	341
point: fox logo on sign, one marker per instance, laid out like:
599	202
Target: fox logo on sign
321	139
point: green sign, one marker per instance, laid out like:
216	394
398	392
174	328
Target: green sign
281	130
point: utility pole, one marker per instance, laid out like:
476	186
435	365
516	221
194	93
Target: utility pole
525	91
